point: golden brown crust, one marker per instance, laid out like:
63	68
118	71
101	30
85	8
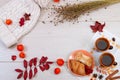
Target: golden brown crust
74	65
84	59
81	69
77	67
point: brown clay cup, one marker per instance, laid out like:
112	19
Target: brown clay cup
106	59
102	44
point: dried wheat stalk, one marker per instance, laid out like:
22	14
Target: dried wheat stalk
72	12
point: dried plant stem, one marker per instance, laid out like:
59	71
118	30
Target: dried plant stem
72	12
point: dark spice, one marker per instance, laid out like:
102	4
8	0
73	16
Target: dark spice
95	75
113	39
111	47
100	77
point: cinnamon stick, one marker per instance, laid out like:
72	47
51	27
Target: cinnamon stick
112	74
114	78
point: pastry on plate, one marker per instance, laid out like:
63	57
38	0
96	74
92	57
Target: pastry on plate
81	63
74	65
83	58
81	69
77	67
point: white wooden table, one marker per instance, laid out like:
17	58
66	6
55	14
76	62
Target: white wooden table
57	42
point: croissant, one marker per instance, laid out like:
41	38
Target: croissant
84	59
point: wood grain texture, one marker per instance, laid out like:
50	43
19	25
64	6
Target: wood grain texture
57	41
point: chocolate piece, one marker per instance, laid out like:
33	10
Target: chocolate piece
113	39
111	47
115	63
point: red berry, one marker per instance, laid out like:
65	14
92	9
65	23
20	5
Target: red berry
13	57
22	55
56	0
8	21
20	47
60	62
57	71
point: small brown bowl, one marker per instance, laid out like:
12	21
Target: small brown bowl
106	59
102	44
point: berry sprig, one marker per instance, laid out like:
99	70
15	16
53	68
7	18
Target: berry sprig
24	18
20	48
60	62
31	67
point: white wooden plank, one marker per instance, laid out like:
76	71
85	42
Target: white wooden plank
57	41
8	73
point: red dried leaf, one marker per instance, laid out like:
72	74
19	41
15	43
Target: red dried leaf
25	63
22	21
49	62
31	62
42	68
18	70
25	75
27	16
97	24
46	66
20	75
35	71
30	74
97	27
35	61
13	57
43	60
101	28
93	28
